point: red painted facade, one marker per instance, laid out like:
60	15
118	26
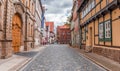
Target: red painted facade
63	34
50	25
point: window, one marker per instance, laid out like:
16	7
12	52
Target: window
93	3
107	1
23	1
63	33
105	31
68	33
101	31
88	8
84	34
82	14
47	28
0	19
29	1
31	30
32	8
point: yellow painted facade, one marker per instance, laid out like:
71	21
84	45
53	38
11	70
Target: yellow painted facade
99	5
101	26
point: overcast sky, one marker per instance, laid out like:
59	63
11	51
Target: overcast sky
57	10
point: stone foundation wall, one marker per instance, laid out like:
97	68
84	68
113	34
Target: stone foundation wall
112	53
6	50
9	50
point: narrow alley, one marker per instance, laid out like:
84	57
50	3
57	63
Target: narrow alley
59	35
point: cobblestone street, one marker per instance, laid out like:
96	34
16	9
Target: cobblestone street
60	58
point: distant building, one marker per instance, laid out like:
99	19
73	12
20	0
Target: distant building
75	40
43	26
63	34
50	32
50	25
39	13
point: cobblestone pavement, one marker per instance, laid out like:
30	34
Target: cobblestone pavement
61	58
27	54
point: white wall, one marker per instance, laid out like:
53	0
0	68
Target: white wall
38	18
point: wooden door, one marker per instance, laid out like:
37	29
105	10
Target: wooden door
16	33
91	44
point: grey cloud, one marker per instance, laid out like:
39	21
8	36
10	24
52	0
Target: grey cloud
58	7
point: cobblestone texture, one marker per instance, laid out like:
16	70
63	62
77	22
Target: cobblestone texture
61	58
27	54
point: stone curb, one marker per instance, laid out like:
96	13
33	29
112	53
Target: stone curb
23	64
31	60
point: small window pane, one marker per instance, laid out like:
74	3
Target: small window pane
101	31
107	29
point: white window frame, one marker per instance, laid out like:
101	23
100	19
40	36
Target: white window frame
107	29
93	3
90	6
87	9
101	31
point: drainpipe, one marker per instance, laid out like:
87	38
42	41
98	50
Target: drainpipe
25	47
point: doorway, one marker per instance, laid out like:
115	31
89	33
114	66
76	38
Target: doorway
91	41
16	33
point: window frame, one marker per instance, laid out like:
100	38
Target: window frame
84	34
106	39
1	25
92	3
107	2
108	29
88	7
101	39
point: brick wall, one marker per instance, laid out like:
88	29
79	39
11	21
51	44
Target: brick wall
64	36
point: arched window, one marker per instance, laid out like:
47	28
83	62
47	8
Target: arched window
0	18
32	9
31	30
